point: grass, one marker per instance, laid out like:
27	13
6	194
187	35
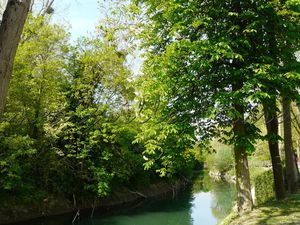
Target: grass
285	212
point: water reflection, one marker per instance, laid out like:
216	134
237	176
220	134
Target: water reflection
204	203
222	200
212	201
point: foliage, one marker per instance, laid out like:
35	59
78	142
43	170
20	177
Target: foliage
34	99
196	61
79	121
96	97
211	65
220	161
68	127
263	185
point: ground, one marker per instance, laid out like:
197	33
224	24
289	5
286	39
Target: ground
285	212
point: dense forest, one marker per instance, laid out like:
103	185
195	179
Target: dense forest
218	85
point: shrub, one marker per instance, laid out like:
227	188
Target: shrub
263	184
221	161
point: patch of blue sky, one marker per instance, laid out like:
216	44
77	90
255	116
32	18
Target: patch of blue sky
82	15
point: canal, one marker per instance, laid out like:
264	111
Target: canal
206	202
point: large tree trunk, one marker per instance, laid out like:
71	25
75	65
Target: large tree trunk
13	21
244	198
272	133
290	165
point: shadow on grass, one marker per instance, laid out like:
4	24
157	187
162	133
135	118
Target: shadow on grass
285	212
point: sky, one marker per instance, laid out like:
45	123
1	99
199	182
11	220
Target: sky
82	15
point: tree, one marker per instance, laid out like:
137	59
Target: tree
271	120
11	28
213	64
35	104
96	139
280	69
200	74
290	70
291	169
68	117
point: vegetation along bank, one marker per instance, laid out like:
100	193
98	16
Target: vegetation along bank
78	120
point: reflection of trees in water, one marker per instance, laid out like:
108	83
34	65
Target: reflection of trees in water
202	183
161	211
223	194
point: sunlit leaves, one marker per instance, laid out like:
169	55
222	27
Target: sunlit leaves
197	52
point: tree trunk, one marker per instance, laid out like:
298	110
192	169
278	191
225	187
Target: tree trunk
244	198
243	187
272	133
298	149
280	142
13	21
290	164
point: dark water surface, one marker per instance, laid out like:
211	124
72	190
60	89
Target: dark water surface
204	203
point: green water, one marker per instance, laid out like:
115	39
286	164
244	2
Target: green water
204	203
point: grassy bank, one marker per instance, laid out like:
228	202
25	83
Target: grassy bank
285	212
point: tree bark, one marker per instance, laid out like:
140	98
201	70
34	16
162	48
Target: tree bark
290	164
280	134
297	148
244	198
11	28
272	133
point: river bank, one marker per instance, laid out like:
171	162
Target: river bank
201	202
12	211
273	212
218	176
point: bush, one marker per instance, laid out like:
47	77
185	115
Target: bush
221	161
263	185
